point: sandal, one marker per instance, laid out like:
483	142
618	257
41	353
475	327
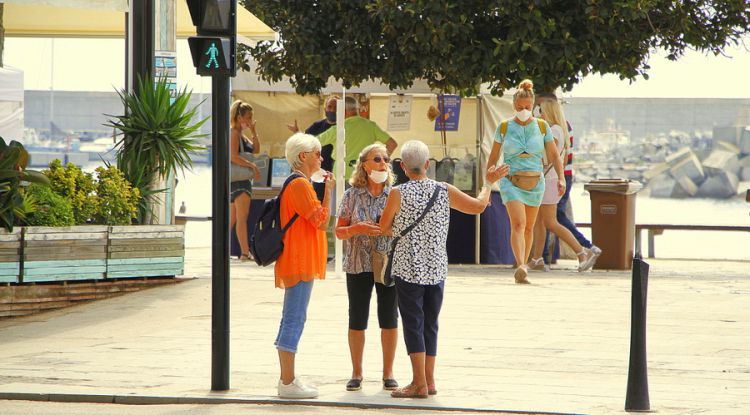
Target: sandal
536	264
431	390
520	275
354	384
390	384
410	391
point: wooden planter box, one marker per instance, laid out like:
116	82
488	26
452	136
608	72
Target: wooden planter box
98	252
146	251
10	251
64	253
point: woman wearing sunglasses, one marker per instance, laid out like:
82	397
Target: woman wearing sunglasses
359	213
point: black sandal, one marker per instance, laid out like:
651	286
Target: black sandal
354	385
390	384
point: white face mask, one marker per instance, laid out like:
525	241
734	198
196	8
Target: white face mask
378	176
523	115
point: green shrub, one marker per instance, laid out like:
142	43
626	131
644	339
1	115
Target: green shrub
50	209
118	200
77	187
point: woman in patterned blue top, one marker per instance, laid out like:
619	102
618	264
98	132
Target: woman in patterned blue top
523	140
358	215
420	260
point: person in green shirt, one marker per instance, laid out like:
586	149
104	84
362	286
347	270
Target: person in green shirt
360	133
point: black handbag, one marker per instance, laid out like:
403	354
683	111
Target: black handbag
387	278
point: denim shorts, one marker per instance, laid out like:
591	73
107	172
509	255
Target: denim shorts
293	316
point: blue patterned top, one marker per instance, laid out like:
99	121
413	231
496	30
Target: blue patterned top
523	138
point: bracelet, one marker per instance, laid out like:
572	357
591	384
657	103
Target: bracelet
486	186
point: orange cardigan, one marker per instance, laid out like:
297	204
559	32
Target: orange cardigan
305	246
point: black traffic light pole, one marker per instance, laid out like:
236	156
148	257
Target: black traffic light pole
220	234
213	51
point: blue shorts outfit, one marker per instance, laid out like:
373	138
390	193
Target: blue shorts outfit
519	139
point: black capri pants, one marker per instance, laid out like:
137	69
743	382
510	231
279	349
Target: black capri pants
420	307
359	290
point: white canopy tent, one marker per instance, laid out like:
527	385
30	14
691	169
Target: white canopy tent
11	104
478	119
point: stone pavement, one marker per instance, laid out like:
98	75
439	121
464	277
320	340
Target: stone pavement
560	345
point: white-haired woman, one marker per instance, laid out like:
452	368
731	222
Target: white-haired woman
304	257
551	111
420	260
524	140
358	216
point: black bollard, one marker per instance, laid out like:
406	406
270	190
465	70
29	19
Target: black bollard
637	394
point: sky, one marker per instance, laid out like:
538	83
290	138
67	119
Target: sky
98	65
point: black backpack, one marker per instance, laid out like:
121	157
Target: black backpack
267	240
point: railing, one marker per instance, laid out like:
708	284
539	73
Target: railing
658	229
652	229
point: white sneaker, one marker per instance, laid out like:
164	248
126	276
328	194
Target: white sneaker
589	257
297	390
596	251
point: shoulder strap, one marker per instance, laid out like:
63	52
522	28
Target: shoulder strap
503	129
278	211
542	126
424	212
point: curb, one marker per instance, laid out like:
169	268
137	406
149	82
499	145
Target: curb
215	400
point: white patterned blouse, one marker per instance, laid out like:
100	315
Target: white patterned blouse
420	256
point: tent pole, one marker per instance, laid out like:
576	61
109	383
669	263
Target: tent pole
478	180
340	170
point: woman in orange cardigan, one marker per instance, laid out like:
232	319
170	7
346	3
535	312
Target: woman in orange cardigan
304	256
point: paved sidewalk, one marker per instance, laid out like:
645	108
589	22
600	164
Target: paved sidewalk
560	345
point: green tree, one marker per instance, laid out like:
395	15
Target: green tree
455	45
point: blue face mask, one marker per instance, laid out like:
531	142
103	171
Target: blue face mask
331	116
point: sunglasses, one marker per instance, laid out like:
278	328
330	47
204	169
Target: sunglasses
317	153
378	159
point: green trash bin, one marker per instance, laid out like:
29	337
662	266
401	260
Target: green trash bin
613	221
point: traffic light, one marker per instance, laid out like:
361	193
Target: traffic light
214	50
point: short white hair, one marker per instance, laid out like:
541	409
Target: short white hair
297	144
414	154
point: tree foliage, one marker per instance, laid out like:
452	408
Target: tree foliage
455	45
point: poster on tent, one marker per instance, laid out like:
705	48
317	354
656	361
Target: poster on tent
399	113
450	108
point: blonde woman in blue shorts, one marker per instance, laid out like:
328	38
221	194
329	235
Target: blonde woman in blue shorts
523	140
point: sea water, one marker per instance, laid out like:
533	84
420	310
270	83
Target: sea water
194	189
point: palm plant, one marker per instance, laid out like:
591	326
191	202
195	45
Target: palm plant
157	138
13	161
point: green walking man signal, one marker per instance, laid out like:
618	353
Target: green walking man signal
214	48
212	52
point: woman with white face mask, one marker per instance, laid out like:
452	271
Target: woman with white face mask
523	140
357	225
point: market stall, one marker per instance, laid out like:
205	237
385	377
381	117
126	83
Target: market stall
455	157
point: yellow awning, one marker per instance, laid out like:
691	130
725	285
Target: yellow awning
49	21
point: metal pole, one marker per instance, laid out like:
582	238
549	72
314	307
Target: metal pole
637	398
220	235
141	38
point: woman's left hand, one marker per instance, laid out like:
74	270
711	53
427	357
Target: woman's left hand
560	187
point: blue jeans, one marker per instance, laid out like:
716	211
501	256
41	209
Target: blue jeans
293	316
562	218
